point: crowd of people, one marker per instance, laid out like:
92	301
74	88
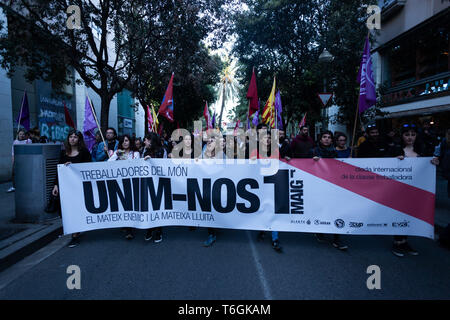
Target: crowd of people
408	141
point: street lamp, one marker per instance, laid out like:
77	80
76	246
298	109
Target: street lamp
325	58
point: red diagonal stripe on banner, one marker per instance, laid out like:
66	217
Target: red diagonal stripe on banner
390	193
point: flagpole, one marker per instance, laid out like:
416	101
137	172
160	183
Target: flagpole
356	116
20	115
96	121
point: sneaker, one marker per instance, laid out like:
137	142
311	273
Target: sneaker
398	249
407	248
261	236
74	242
148	235
12	189
339	245
276	246
158	237
211	239
320	237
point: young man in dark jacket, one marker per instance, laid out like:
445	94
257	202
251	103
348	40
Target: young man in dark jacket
302	144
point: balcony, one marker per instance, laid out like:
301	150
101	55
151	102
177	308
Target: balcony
391	8
424	89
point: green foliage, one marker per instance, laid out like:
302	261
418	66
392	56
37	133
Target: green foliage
133	37
285	38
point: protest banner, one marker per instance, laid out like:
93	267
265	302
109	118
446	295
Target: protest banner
345	196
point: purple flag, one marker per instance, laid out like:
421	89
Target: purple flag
255	120
279	109
367	94
213	122
89	125
24	115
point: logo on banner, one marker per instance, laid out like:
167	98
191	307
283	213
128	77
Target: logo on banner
403	224
339	223
318	222
355	224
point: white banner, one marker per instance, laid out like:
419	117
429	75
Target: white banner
345	196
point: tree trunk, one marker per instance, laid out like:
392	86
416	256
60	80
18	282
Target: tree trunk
223	106
104	113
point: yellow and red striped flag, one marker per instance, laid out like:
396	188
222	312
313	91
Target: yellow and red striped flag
268	115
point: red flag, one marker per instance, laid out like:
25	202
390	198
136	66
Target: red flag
207	117
69	120
166	108
237	126
160	129
303	122
252	95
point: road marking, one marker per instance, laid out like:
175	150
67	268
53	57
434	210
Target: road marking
18	269
259	269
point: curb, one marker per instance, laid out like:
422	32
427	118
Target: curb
25	247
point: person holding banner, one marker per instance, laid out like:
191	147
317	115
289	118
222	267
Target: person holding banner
263	151
126	150
210	153
153	149
325	149
410	147
75	152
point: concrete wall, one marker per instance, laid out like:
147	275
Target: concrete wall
6	122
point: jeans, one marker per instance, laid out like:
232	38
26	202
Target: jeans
274	235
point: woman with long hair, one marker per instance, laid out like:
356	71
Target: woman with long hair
153	149
409	147
75	152
126	150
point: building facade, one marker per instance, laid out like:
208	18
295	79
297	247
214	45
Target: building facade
412	63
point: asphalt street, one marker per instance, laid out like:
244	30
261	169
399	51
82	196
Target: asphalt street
236	267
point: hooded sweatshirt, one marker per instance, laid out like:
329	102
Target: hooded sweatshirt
301	146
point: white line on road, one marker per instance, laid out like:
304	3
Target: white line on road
18	269
259	268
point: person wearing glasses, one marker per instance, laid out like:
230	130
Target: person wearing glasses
75	152
341	145
409	147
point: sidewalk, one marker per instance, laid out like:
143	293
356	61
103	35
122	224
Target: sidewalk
18	240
